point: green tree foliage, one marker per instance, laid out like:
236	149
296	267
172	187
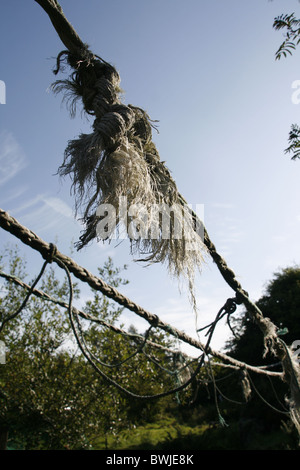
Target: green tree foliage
292	34
291	26
50	397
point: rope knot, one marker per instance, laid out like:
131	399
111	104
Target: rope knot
51	253
230	306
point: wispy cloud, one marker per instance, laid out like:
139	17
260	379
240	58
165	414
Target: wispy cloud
59	206
46	213
27	204
43	212
12	158
13	194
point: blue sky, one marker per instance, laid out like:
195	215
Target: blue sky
207	72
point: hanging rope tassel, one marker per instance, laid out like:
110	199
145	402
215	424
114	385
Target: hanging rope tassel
118	161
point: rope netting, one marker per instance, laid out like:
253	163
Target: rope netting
118	160
186	371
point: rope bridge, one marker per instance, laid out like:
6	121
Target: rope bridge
50	253
120	159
